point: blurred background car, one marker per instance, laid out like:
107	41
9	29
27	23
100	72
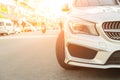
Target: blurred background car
29	28
6	27
18	30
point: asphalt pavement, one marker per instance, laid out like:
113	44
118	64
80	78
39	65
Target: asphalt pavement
31	56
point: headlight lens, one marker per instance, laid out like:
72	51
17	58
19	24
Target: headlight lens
82	28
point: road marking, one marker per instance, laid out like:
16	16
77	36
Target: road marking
24	37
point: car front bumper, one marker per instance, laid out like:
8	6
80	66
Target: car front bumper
102	51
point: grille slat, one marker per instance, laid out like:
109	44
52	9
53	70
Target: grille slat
113	25
116	25
109	25
119	26
112	29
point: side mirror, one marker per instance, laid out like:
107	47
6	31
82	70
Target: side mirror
65	8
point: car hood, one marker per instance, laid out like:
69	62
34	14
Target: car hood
98	14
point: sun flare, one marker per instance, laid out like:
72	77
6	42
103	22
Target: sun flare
50	7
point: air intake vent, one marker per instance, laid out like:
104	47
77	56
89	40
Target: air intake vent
112	29
114	58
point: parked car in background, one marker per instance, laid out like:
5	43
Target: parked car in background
17	29
29	28
6	27
91	35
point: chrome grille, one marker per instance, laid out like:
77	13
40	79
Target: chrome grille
112	29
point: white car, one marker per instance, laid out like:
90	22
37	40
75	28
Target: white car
6	26
18	29
29	29
91	35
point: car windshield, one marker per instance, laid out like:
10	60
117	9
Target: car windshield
86	3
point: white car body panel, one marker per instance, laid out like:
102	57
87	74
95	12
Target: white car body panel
104	45
7	26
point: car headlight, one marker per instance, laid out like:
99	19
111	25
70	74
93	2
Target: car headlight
82	27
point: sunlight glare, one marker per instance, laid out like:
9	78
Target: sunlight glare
50	6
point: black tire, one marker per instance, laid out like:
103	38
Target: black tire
60	52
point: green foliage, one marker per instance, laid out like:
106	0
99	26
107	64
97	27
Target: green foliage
3	8
1	16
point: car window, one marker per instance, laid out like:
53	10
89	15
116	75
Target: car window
85	3
8	24
1	23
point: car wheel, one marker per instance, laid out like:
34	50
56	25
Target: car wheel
60	52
